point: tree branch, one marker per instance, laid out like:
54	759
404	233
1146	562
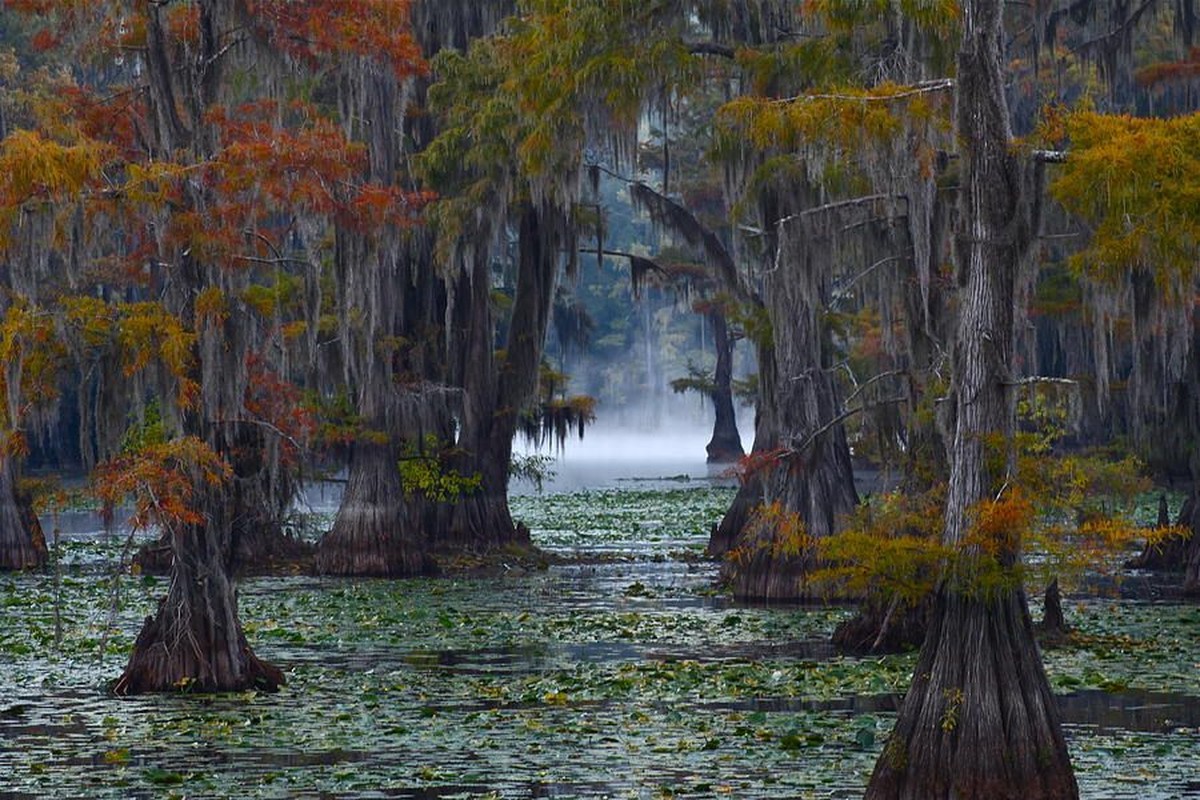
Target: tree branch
925	87
710	49
842	417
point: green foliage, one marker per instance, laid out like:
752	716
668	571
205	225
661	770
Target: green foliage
698	380
889	548
534	468
147	430
423	472
338	423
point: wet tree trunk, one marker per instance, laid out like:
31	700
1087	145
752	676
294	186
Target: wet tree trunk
979	720
1187	548
498	388
22	545
884	626
749	496
1053	628
261	498
726	443
373	533
195	640
799	419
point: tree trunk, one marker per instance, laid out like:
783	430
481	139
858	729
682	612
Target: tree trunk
498	387
979	720
260	503
22	545
726	443
798	418
373	533
1170	555
195	641
1053	627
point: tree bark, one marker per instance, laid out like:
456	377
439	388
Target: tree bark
1053	628
498	387
373	533
726	443
979	720
797	417
884	627
22	545
195	641
260	501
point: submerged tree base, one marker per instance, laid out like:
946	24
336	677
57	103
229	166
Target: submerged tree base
1053	631
979	720
164	661
22	544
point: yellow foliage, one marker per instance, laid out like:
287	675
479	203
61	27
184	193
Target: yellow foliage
1137	181
34	167
889	546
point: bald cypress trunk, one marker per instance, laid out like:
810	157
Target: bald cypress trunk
979	720
22	545
498	387
195	640
726	443
373	533
798	433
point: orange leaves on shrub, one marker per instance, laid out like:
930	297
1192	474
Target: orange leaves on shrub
163	480
775	531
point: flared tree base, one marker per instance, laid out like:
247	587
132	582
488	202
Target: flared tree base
21	551
22	544
369	540
162	661
1191	577
979	721
766	575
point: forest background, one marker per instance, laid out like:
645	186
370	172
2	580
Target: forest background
960	239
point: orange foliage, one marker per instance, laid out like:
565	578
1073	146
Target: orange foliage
278	402
759	461
162	479
998	525
312	29
1167	71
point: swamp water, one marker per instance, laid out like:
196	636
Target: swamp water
621	674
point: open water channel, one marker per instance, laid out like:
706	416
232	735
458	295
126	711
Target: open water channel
621	673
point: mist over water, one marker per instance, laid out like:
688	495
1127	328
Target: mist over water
655	447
